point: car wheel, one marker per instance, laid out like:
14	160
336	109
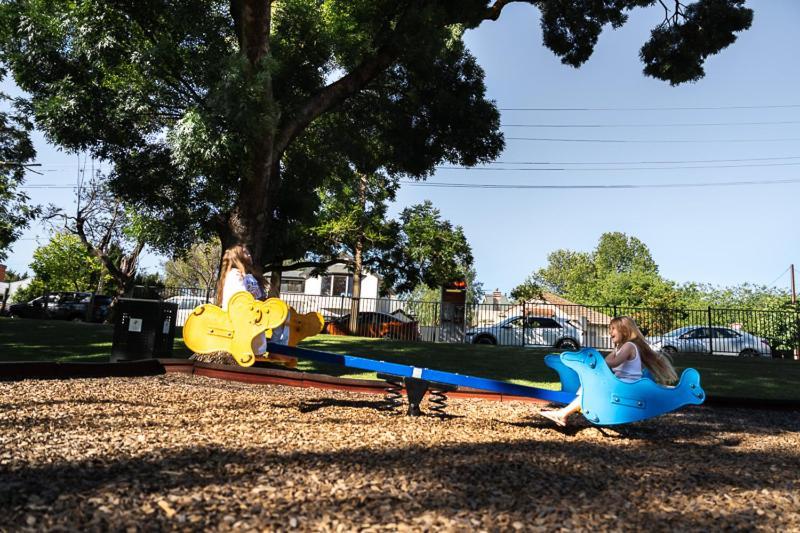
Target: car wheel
747	352
669	350
484	339
567	344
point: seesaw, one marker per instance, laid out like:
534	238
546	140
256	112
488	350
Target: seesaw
605	399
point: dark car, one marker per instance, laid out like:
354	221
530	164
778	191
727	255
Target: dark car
75	306
36	308
64	306
376	325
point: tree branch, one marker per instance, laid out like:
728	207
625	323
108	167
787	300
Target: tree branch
493	11
337	92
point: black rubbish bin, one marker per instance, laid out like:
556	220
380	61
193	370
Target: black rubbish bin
143	329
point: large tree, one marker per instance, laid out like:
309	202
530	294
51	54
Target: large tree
108	229
63	264
619	271
197	267
16	149
216	113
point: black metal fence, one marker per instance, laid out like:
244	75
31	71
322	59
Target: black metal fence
748	332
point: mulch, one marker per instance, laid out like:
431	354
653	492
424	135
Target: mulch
182	452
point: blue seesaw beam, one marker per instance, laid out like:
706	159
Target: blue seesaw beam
436	376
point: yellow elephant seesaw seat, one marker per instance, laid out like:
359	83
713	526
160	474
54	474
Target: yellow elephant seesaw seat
212	329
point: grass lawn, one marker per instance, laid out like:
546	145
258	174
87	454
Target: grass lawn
58	340
41	340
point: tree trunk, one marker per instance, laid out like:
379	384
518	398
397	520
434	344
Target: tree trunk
249	221
358	250
275	283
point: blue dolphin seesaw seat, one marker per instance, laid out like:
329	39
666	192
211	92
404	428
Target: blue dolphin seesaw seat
607	401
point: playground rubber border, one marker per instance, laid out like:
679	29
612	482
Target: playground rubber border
17	371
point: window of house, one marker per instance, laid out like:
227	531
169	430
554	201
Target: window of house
337	285
292	285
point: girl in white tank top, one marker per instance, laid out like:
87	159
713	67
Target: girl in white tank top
627	367
631	369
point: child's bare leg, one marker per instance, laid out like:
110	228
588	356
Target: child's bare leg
559	416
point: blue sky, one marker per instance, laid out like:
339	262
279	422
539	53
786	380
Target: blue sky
719	235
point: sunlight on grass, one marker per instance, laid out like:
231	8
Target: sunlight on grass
40	340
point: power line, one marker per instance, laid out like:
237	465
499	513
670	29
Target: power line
48	186
697	108
652	125
619	186
651	141
685	161
595	169
779	277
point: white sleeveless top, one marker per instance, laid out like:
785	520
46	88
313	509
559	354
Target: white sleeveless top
630	370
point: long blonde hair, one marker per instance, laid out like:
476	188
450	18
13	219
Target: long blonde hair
238	257
656	362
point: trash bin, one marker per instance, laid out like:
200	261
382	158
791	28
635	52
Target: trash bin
143	329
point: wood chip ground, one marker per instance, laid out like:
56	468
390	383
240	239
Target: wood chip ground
177	452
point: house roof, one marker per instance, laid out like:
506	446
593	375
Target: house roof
305	273
495	297
574	310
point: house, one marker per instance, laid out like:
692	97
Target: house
330	294
493	308
8	288
337	281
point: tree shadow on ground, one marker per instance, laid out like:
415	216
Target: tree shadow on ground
551	477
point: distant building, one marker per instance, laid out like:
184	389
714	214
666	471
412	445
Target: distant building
331	294
7	290
337	281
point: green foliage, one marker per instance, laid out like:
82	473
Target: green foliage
64	264
12	275
207	131
198	267
149	279
619	271
428	250
676	52
16	149
567	272
33	290
423	300
530	289
745	295
618	253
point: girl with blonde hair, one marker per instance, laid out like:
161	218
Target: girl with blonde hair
631	352
237	263
238	273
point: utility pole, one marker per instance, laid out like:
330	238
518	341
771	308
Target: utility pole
794	301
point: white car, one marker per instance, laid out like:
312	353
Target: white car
528	331
186	304
718	340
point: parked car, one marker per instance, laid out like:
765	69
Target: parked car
186	304
74	306
376	325
35	308
716	339
64	306
528	331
